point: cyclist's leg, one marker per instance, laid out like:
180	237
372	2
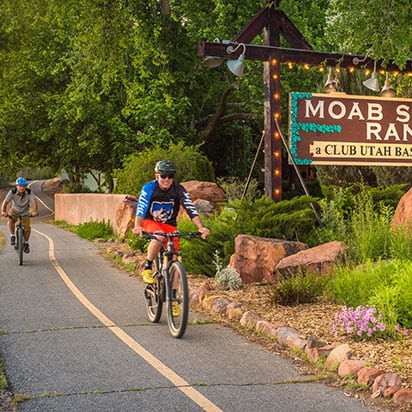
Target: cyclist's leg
153	249
11	225
155	245
27	228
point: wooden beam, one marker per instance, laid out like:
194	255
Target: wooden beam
299	56
291	34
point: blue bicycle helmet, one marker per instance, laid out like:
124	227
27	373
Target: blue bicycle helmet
21	181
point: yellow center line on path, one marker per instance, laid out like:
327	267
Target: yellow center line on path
169	374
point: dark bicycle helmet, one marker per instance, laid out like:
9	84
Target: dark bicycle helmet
21	181
165	166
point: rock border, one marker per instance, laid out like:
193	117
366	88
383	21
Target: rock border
381	384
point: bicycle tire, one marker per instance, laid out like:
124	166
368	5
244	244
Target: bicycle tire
177	280
154	294
20	244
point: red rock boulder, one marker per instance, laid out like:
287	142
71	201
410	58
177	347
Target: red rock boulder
320	259
256	257
403	212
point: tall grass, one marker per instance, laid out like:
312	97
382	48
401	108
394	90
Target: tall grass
370	230
378	271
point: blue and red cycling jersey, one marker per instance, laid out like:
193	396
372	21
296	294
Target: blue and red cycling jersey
163	205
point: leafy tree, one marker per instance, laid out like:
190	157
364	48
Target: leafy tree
357	26
139	167
84	84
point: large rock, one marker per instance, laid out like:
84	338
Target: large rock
125	214
206	191
256	257
320	259
403	212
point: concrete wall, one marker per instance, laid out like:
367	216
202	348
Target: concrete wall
79	208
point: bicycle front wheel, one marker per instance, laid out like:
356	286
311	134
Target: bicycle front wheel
154	295
20	244
178	299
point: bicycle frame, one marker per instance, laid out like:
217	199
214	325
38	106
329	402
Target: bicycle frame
170	284
20	237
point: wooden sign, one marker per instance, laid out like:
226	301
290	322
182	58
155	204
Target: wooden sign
340	129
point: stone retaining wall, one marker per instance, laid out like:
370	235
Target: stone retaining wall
79	208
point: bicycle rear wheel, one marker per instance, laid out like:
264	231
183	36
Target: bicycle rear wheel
20	244
178	299
154	294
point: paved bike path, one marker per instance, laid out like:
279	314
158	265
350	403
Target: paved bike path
63	358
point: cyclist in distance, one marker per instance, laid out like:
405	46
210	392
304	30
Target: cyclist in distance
157	209
22	201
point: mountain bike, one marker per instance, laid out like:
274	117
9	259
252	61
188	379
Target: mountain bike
20	238
170	284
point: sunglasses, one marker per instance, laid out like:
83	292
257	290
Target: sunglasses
167	175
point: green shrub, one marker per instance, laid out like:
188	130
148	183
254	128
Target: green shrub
94	230
370	230
352	286
139	167
137	242
76	188
394	297
288	219
387	285
234	189
197	253
226	278
300	288
401	243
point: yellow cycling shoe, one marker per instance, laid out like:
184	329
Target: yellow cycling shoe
175	308
147	276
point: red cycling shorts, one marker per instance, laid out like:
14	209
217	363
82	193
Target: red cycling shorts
149	225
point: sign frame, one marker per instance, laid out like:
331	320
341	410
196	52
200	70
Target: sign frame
340	129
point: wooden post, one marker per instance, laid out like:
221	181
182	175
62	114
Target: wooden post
273	144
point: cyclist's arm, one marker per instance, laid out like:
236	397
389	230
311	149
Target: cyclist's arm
4	207
34	208
138	230
203	230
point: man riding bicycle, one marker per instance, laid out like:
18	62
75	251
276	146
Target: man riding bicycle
157	209
22	199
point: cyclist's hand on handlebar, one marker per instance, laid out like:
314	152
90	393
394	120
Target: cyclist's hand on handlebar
34	214
4	214
204	231
138	230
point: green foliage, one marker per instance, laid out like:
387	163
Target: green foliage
352	27
385	284
74	187
288	219
352	286
197	253
299	288
37	173
370	233
139	167
333	218
361	217
3	378
235	189
137	242
94	230
394	297
401	243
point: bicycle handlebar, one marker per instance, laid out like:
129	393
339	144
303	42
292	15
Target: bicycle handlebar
19	216
171	235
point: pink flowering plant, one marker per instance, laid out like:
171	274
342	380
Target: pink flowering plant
361	323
